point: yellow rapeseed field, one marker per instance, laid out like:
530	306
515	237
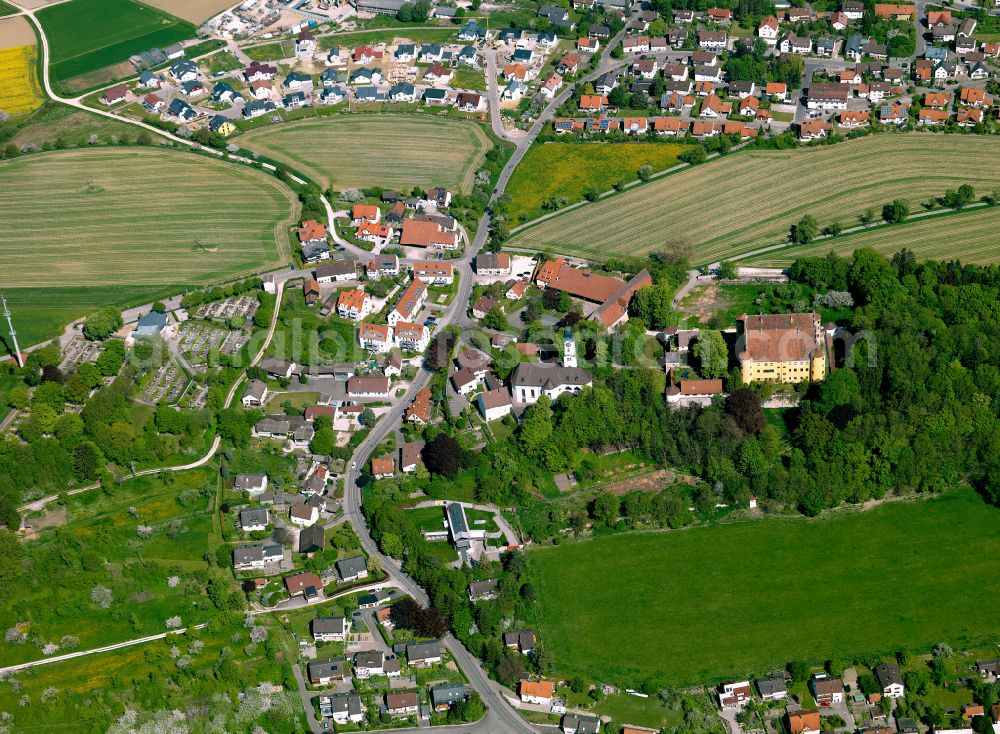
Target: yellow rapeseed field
19	89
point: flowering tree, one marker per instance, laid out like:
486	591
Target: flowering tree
102	597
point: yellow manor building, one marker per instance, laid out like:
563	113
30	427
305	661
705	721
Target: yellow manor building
785	347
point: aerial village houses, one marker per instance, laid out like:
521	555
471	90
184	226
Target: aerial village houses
409	303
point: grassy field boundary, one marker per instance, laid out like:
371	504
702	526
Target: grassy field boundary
134	257
718	206
741	598
88	35
786	253
323	172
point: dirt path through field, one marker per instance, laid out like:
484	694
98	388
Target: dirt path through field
16	32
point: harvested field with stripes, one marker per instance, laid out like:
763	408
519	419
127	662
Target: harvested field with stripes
394	151
972	236
750	199
126	217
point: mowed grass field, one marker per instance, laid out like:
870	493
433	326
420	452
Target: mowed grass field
570	169
84	228
972	236
750	199
85	35
20	92
696	606
394	151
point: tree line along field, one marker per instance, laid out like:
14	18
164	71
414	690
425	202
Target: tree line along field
750	199
970	236
570	170
85	35
395	151
122	222
697	606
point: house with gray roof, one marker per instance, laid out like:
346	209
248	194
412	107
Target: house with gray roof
483	590
257	555
521	640
253	519
471	31
403	92
368	663
250	483
435	96
773	687
468	56
423	654
312	539
255	394
322	672
151	324
352	569
258	108
333	95
329	629
532	380
277	367
184	70
578	724
342	707
445	694
367	94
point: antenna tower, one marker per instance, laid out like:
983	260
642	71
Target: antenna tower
13	334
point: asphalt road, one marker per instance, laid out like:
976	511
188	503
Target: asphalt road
501	716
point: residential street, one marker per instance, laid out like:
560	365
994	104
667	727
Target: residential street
500	717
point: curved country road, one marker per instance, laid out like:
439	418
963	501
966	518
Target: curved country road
501	715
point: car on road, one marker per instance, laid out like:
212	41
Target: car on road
354	465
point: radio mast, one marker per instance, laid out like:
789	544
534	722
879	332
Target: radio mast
13	334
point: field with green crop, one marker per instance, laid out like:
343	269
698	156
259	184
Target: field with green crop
85	35
394	151
86	228
696	606
970	236
738	203
568	170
